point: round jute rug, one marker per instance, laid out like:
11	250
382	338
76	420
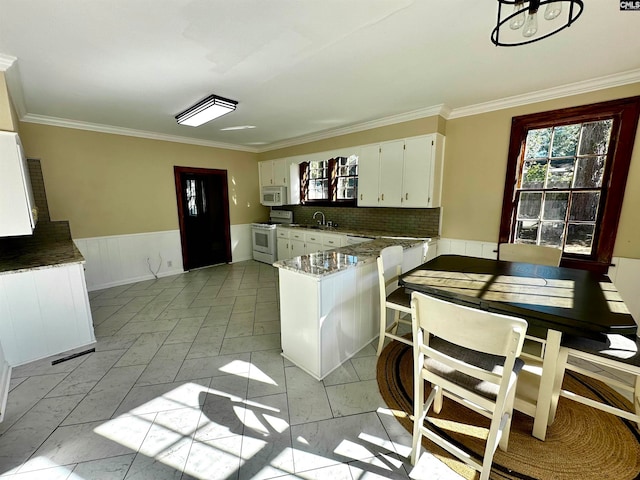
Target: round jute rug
583	443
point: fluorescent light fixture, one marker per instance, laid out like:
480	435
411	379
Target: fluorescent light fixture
206	110
239	127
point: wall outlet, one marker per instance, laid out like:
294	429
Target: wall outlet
169	263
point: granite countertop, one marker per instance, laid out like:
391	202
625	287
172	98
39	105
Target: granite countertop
325	263
344	231
46	255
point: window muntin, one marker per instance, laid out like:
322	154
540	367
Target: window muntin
560	186
600	171
347	177
333	181
318	180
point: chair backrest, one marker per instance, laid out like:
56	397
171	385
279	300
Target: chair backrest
471	328
538	254
389	269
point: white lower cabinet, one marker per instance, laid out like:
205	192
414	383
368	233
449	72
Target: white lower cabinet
44	312
327	320
313	242
324	321
282	243
294	242
332	240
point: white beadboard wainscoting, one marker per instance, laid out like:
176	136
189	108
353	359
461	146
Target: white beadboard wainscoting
122	259
625	275
624	272
470	248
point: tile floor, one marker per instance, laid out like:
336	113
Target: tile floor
187	382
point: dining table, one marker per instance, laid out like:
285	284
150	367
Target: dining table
553	300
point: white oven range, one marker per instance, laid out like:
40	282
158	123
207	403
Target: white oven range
264	238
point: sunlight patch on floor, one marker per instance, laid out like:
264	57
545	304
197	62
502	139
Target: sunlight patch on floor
240	368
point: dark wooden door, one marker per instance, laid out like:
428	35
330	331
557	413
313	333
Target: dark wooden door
203	210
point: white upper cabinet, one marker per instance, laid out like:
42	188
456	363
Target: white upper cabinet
281	172
275	173
368	175
408	174
265	170
18	212
391	160
422	175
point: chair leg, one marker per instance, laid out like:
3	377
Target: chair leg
563	356
380	343
418	417
506	429
383	329
492	444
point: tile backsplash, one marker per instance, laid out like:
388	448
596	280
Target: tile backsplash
416	222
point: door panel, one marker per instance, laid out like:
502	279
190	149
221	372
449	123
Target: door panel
204	216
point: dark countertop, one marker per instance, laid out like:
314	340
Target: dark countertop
48	255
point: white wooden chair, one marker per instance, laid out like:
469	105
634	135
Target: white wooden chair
392	297
470	356
535	344
538	254
613	354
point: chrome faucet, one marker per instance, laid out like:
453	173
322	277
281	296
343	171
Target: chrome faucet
323	220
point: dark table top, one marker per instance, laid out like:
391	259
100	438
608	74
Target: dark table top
563	299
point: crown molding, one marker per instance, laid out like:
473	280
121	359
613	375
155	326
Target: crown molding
441	110
6	61
586	86
129	132
9	65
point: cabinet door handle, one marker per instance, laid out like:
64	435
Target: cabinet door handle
406	196
382	197
360	196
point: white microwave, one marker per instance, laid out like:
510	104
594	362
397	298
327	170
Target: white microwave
273	196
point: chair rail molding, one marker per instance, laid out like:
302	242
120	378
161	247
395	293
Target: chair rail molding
122	259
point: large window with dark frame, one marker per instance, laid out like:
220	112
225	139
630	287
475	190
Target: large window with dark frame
566	178
332	181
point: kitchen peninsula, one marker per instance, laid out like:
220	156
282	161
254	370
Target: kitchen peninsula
329	302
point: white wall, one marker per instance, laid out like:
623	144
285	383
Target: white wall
122	259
